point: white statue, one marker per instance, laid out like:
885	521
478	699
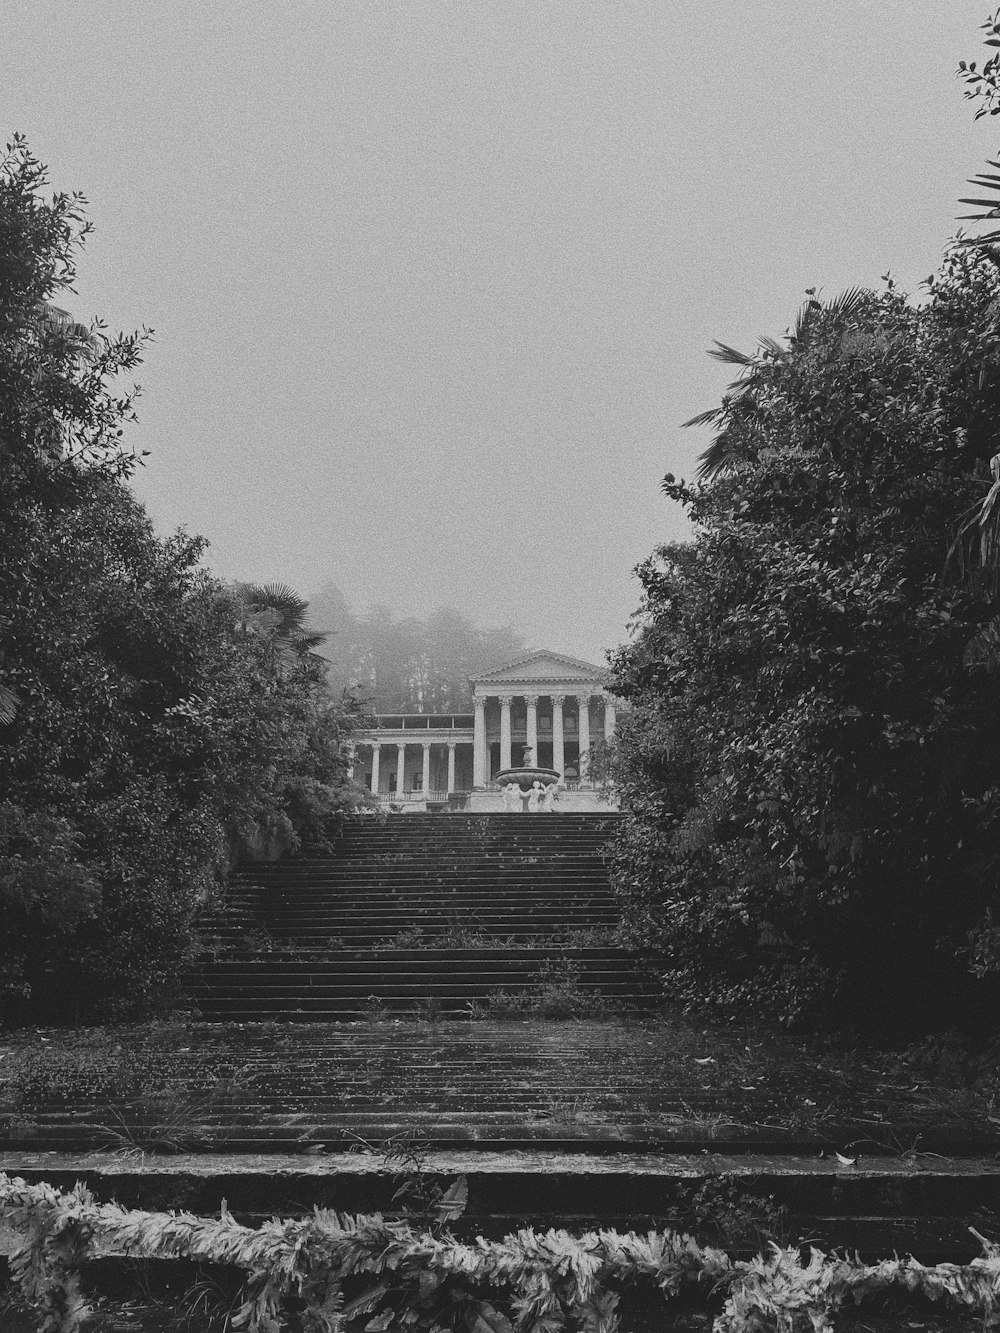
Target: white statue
548	800
511	796
535	795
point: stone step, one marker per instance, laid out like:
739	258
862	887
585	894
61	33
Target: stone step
325	980
374	943
317	1002
514	879
301	1009
526	959
281	992
498	876
392	924
516	883
520	894
885	1208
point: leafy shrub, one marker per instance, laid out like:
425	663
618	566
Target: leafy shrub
46	894
809	770
333	1268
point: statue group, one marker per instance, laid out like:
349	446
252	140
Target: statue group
540	797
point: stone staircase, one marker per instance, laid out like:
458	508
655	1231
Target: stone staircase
430	912
336	1045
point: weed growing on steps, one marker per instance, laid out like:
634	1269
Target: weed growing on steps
427	1010
557	993
140	1096
578	1110
173	1120
459	934
421	1197
724	1211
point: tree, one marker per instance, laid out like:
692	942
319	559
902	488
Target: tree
155	723
61	400
810	771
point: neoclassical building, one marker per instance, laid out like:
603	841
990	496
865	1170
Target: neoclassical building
545	703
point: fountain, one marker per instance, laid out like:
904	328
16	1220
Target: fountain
525	777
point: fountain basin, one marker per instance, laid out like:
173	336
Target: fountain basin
526	776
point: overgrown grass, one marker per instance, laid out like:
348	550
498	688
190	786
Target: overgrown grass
459	934
557	993
175	1119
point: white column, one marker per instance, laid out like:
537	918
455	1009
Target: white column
583	731
426	784
609	719
558	752
351	756
400	765
505	760
479	743
532	701
451	765
376	753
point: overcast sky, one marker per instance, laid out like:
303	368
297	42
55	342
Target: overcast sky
432	280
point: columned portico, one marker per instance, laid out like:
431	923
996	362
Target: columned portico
523	712
519	713
583	731
531	724
505	754
479	775
558	742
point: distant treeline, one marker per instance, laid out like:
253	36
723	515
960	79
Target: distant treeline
408	663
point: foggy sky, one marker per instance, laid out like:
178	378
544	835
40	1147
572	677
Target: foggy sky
432	280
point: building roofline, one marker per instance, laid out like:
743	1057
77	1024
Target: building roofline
533	656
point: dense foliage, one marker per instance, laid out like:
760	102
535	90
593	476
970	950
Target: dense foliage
154	721
332	1271
409	664
810	768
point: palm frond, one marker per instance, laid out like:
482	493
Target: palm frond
991	208
705	418
731	356
848	302
721	456
310	639
772	345
975	550
743	404
801	325
991	237
9	704
840	307
283	598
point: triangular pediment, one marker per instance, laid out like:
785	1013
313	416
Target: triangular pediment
543	665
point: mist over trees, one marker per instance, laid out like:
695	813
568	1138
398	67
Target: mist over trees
405	663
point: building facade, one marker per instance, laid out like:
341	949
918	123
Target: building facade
543	705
